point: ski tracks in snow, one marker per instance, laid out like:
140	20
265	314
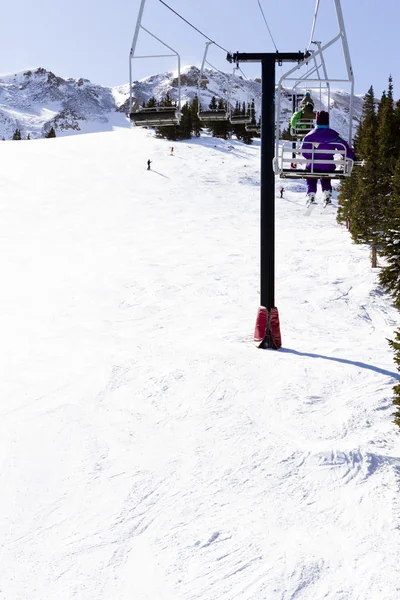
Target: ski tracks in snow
167	457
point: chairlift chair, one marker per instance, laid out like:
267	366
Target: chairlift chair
158	116
303	127
288	155
288	160
240	119
253	128
208	116
155	117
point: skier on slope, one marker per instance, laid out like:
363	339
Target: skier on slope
148	164
324	138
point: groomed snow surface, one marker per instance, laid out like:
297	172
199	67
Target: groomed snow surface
148	449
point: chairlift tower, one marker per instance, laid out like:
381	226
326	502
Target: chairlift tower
159	116
267	332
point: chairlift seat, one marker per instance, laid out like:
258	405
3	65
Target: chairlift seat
161	116
240	119
209	116
302	128
289	155
253	128
302	174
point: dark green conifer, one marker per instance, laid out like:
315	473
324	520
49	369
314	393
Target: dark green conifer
219	129
361	205
152	103
395	345
389	276
51	133
169	132
184	129
196	123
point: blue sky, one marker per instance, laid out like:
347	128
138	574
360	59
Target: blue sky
92	38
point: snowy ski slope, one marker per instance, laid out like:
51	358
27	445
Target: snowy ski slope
148	450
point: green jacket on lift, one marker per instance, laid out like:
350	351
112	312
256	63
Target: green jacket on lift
306	114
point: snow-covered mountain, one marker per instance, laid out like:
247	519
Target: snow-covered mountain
36	100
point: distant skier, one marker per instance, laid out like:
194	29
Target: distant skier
324	138
172	150
281	191
148	164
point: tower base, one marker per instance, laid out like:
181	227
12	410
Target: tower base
267	333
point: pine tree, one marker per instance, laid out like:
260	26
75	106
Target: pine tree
152	103
348	187
389	276
169	132
213	104
286	135
28	137
386	152
362	207
51	133
17	135
396	127
386	136
248	135
184	129
395	345
196	123
238	128
219	129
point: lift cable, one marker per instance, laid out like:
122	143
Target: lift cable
266	23
198	30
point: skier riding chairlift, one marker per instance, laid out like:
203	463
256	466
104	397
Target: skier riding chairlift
325	139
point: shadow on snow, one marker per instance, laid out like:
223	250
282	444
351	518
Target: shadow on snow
343	361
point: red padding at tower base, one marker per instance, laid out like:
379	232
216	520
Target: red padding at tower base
261	324
267	332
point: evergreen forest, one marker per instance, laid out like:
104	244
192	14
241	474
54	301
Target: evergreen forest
369	200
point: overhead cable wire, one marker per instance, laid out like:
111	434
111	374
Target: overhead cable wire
266	23
198	30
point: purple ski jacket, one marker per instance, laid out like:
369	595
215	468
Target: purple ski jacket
326	139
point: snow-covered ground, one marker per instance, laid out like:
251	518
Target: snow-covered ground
148	450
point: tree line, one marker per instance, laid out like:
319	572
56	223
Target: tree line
369	200
17	134
190	124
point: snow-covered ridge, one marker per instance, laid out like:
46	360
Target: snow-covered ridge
36	100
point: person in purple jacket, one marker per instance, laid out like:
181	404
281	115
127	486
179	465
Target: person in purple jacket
326	139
